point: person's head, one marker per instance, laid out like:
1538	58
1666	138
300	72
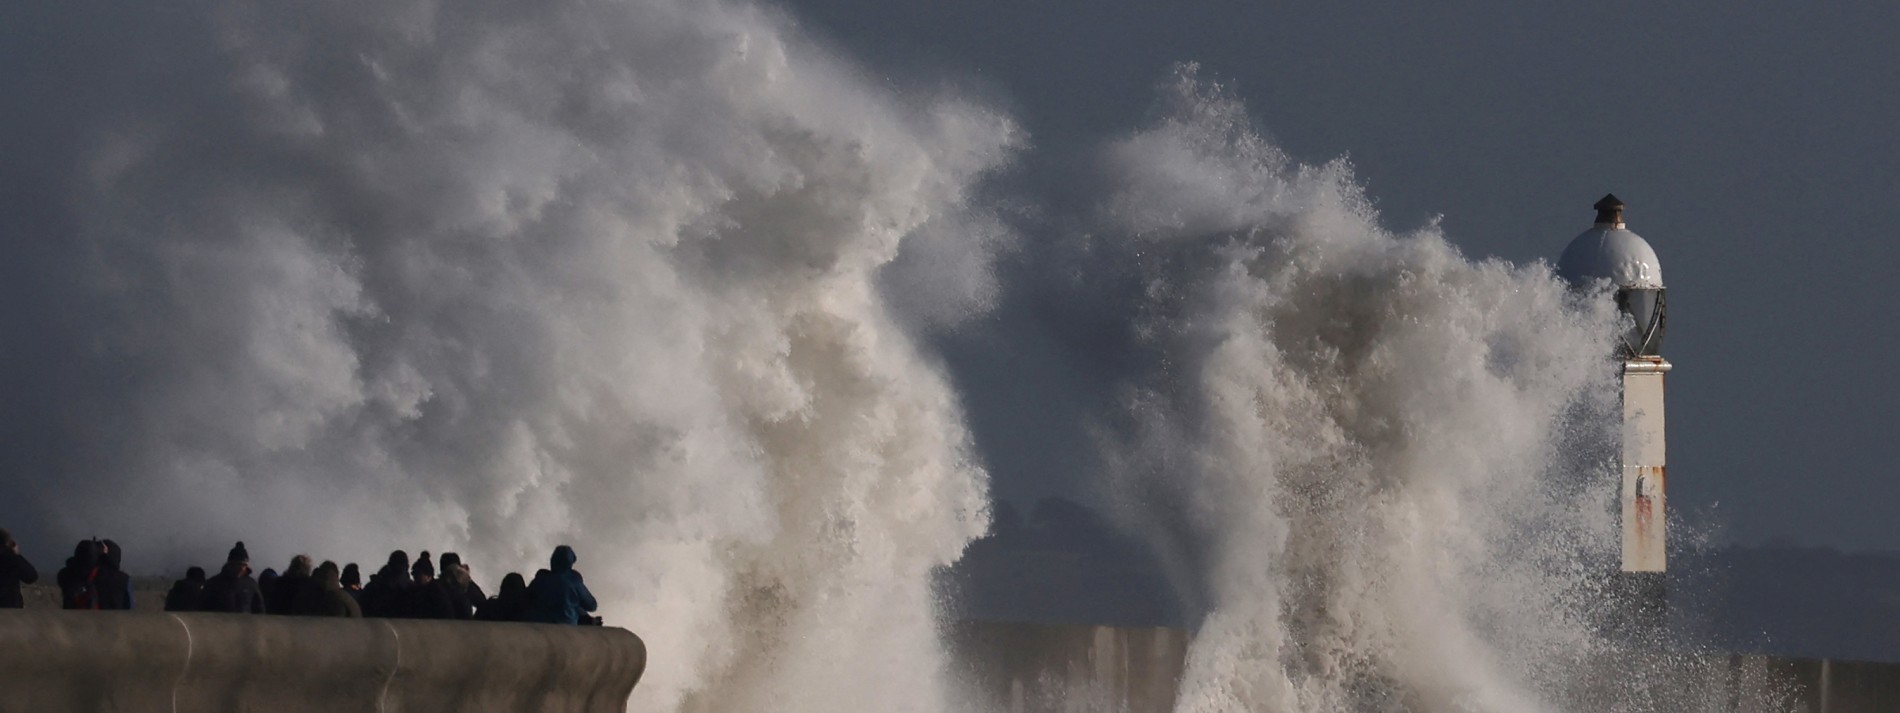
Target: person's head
422	570
86	553
448	558
195	574
398	561
267	577
513	585
352	577
299	566
239	554
6	541
328	575
234	568
563	559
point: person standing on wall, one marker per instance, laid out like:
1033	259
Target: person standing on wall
469	590
78	580
115	586
388	590
233	591
557	595
14	571
188	593
511	604
290	586
352	581
324	596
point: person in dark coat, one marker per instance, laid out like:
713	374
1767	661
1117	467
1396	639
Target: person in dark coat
325	596
557	594
430	597
187	593
455	584
14	571
471	591
266	586
233	591
352	581
115	586
511	604
289	586
389	587
422	565
78	580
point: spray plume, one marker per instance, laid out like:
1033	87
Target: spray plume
642	276
1373	465
491	277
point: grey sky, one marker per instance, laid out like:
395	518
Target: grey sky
1755	144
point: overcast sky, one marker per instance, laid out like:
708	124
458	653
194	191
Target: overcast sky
1754	142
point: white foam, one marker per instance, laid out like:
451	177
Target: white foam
494	276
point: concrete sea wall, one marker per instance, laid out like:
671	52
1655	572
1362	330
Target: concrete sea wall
131	662
1056	668
134	662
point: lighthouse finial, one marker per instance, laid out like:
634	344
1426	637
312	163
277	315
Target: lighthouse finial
1609	211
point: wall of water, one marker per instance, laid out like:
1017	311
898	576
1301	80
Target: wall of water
662	278
489	277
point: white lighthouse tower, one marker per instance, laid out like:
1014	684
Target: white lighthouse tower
1610	252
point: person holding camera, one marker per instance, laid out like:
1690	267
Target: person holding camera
14	571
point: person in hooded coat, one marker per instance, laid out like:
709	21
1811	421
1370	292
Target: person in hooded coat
78	580
511	604
289	586
14	571
325	596
115	586
558	595
387	590
186	594
233	591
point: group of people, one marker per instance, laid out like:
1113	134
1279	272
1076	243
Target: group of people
92	579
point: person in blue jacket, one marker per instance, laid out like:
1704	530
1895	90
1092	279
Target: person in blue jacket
557	595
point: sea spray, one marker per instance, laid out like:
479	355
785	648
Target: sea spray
493	276
629	275
1367	458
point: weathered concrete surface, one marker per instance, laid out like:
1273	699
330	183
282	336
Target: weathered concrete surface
1825	685
1054	668
131	662
54	662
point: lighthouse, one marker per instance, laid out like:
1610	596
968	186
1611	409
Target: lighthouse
1610	252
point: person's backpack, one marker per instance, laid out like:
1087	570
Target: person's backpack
86	594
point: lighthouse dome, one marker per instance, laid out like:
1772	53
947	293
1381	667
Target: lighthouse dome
1611	251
